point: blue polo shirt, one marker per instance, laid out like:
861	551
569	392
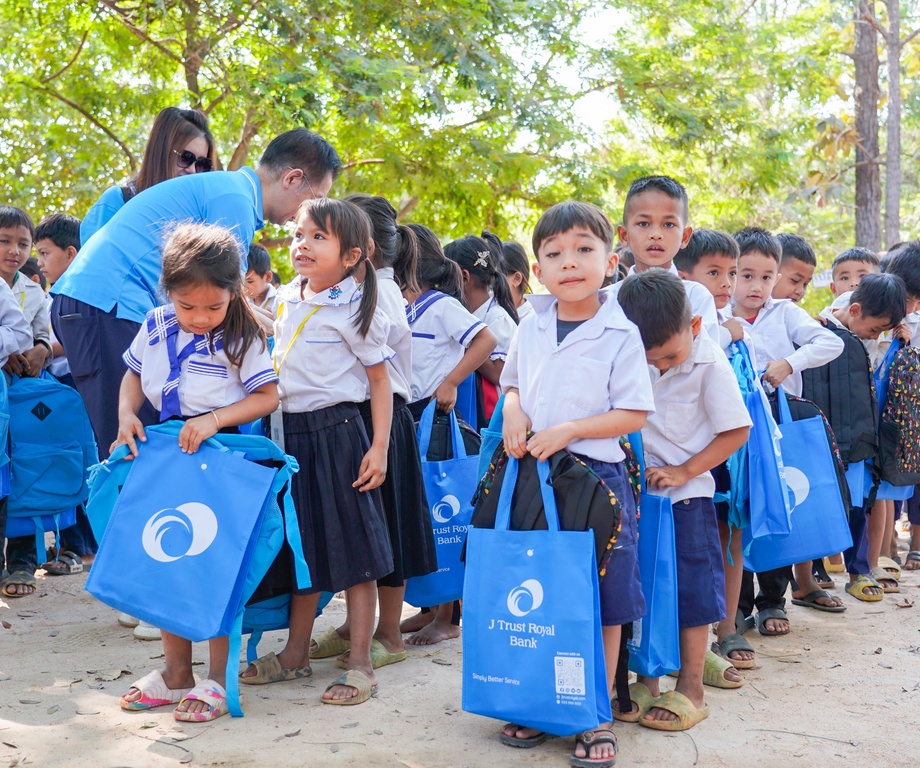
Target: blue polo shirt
109	203
121	264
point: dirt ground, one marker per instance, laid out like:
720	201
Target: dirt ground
838	690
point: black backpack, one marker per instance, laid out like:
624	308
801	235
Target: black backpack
899	430
844	390
582	499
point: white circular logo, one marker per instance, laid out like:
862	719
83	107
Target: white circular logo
531	591
446	509
196	519
798	485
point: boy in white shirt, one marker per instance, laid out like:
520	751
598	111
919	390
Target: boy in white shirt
258	284
575	378
700	420
789	341
796	269
849	267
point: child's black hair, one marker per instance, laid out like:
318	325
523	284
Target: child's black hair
276	279
862	255
881	294
434	271
797	247
656	301
10	217
259	260
906	265
304	150
395	244
480	256
30	269
758	239
564	216
705	242
665	184
352	227
62	229
207	254
515	261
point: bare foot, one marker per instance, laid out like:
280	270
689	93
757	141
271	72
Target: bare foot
602	751
776	625
20	589
436	632
339	692
392	642
519	732
87	559
830	601
731	674
193	705
417	622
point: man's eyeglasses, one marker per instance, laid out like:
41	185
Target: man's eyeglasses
186	159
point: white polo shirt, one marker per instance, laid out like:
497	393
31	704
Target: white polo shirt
207	380
392	304
30	298
15	331
269	301
725	337
442	330
599	367
783	330
693	403
327	357
500	323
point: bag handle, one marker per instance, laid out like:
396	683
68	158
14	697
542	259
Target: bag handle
785	415
635	439
509	482
426	424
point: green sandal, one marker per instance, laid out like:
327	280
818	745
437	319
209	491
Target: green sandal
643	699
680	705
330	643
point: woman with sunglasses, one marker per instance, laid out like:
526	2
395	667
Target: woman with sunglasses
179	144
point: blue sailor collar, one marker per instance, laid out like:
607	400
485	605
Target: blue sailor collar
162	323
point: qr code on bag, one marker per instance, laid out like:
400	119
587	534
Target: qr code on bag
570	675
636	640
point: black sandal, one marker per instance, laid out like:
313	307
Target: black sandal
533	741
590	739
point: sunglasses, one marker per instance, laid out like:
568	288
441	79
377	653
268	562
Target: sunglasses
186	158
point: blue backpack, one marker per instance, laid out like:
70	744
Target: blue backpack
51	447
278	523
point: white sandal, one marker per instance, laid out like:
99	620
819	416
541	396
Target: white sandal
154	693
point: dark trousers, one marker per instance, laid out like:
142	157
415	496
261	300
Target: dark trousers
913	507
94	342
773	585
856	557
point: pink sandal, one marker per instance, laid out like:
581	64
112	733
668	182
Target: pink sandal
211	693
154	693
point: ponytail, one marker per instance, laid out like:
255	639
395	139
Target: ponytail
433	269
395	245
405	266
501	290
481	256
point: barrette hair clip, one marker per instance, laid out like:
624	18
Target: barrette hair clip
482	259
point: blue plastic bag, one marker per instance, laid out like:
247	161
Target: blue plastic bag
532	645
654	649
818	520
466	400
449	486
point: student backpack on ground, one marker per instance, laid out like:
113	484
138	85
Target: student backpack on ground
899	428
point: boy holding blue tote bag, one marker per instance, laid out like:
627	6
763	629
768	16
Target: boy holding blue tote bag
700	420
579	334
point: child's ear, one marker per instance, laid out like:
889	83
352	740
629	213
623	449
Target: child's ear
612	261
465	274
683	275
621	233
71	253
537	272
833	289
267	277
696	324
855	310
685	238
354	256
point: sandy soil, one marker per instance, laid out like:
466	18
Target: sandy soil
839	690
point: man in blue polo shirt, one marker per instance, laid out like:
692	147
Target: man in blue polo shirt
103	297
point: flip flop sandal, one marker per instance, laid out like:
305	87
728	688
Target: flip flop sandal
211	693
330	643
643	699
912	557
18	579
66	563
857	588
590	739
770	613
811	601
734	643
269	670
380	657
890	565
680	705
354	678
533	741
882	577
154	693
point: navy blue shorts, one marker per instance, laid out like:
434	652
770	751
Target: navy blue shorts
622	600
700	569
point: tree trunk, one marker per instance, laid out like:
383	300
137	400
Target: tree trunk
893	152
866	93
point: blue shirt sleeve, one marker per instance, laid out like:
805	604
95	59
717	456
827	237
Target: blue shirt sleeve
108	204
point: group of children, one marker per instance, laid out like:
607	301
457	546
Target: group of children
379	320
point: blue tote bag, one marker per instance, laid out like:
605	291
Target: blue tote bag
177	547
491	438
654	649
449	486
818	520
532	647
887	491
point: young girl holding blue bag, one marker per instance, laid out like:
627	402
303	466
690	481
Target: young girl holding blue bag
202	359
330	350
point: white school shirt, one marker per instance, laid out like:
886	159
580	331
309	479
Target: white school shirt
877	348
207	379
693	403
15	331
725	337
269	301
327	358
500	323
392	305
442	330
526	309
599	367
701	301
783	330
30	298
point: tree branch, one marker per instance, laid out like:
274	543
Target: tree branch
911	36
270	243
873	22
406	209
250	129
369	161
139	33
67	66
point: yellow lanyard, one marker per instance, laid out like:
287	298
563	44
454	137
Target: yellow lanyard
296	334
